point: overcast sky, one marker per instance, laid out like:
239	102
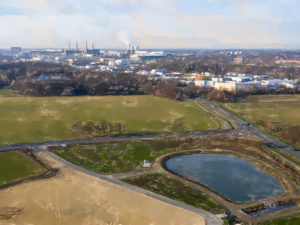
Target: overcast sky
151	23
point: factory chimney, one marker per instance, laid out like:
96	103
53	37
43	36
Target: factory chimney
129	49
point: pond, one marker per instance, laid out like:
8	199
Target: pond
233	178
272	209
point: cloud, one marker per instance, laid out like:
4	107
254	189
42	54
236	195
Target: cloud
150	23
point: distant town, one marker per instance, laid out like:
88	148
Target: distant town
140	112
232	71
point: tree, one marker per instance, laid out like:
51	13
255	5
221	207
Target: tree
88	127
216	95
118	127
103	127
76	127
168	89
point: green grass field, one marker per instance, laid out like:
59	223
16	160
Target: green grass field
4	92
109	158
281	109
117	157
270	112
293	220
174	189
31	119
15	166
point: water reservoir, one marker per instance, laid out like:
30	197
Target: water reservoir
231	177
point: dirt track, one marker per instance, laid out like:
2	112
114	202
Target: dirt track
73	198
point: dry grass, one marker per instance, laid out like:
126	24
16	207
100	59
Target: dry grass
73	198
29	119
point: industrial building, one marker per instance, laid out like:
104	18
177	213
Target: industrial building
15	50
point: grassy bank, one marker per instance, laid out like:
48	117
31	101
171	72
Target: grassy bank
281	109
5	92
15	166
293	220
31	119
171	188
116	157
273	113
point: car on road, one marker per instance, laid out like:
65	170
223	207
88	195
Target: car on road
246	125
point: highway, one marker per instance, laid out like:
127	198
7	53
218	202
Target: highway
245	127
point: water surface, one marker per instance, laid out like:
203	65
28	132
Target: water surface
234	178
272	209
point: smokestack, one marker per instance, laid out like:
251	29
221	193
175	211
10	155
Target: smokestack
77	46
86	45
69	45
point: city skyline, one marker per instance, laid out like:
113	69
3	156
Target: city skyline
150	24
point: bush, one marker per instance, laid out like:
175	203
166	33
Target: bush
291	134
102	127
218	96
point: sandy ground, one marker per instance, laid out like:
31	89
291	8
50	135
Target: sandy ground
74	198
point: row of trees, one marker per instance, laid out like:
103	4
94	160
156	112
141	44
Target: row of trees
22	78
84	82
213	62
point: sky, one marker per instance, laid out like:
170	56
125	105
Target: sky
150	23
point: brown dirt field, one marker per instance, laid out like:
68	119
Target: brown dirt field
74	198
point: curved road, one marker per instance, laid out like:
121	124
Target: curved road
239	124
118	138
235	127
210	219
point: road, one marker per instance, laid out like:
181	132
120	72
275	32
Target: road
239	124
232	126
210	218
120	138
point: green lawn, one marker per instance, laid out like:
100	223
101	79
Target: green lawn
4	92
116	157
174	189
273	113
30	119
293	220
109	158
15	166
280	109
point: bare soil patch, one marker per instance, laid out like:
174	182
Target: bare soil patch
74	198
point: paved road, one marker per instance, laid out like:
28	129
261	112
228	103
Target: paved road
210	218
118	138
239	124
235	128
